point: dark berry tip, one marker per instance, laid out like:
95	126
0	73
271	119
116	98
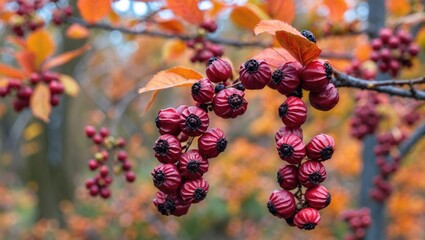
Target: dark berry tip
251	65
309	226
286	150
328	200
298	92
271	208
193	122
221	145
211	60
158	178
161	147
283	110
219	87
279	178
309	35
240	87
235	101
277	76
315	178
200	194
327	153
193	167
329	70
196	87
157	122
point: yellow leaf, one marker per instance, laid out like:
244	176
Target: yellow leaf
173	49
283	10
275	56
40	102
398	8
32	131
269	26
64	57
41	44
187	9
94	10
247	16
77	31
71	86
420	38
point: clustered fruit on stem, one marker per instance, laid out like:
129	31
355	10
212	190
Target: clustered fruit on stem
110	158
22	90
358	221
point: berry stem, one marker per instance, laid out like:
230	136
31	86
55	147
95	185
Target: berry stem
187	146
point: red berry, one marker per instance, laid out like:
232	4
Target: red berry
316	76
374	56
286	78
108	180
192	165
307	218
281	204
317	197
311	174
50	76
104	132
90	182
14	84
56	87
170	204
97	139
325	100
203	91
293	112
168	121
90	131
376	44
385	34
209	25
93	164
413	50
25	92
167	149
122	156
393	42
283	131
4	91
255	74
104	171
218	70
166	177
94	190
194	121
404	37
121	142
130	176
287	177
229	103
385	54
54	100
126	165
212	143
320	148
194	191
105	192
291	149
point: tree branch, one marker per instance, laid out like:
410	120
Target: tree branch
409	143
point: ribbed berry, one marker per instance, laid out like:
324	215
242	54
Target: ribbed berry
316	76
168	121
229	103
167	148
281	204
287	177
293	112
307	218
311	173
166	177
192	165
286	77
326	99
255	74
212	143
320	148
170	204
286	131
203	91
309	35
194	191
291	149
218	70
318	197
194	121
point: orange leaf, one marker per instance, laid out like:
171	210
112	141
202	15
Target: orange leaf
17	41
173	49
11	72
151	101
298	46
26	61
172	25
64	57
398	8
177	76
247	16
40	102
362	52
77	31
275	56
270	26
94	10
41	44
70	86
281	9
187	9
337	9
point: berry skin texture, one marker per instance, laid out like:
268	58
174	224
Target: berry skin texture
192	165
212	143
166	178
194	121
203	91
320	148
307	218
316	76
229	103
286	78
218	70
194	191
281	204
170	204
293	112
255	74
167	149
325	100
318	197
168	121
291	149
311	174
287	177
286	131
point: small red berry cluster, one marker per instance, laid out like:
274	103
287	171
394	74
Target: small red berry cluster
359	70
393	50
203	48
23	90
358	221
106	147
366	117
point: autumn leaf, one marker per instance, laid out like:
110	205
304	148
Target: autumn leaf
26	61
177	76
172	25
64	57
71	86
77	31
11	72
41	44
94	10
275	56
187	9
337	9
151	101
247	16
40	102
398	8
173	49
283	10
270	27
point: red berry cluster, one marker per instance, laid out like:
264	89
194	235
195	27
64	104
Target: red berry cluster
358	69
107	146
358	221
204	49
366	116
23	90
393	50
